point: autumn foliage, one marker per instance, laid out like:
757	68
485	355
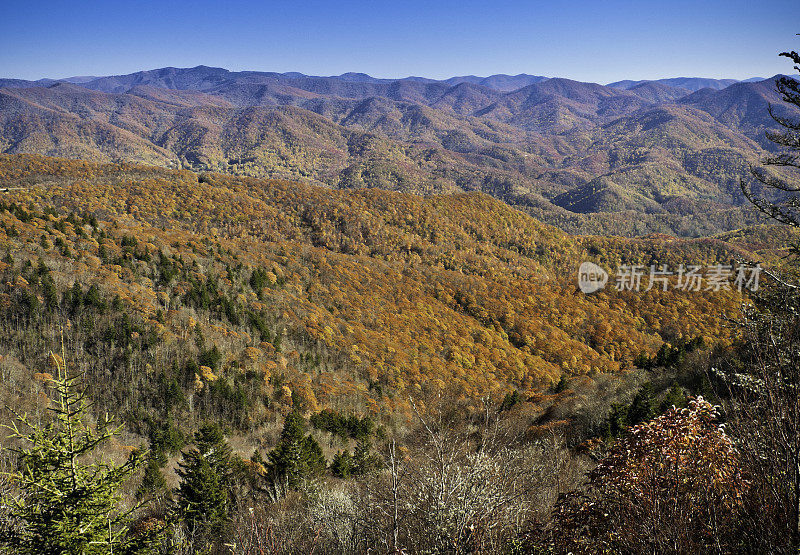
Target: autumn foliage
671	485
349	299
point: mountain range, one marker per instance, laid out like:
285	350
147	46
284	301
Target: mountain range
499	82
629	158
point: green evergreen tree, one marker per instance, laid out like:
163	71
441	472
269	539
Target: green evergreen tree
313	455
342	464
363	461
68	500
49	292
510	400
202	496
643	361
676	397
297	456
643	407
153	484
616	422
211	358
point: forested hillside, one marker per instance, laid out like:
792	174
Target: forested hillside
351	299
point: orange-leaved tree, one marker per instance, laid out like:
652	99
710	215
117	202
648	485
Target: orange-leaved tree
671	485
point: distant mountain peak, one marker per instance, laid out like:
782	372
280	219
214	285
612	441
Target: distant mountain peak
355	75
690	83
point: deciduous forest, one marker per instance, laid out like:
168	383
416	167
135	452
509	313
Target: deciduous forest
294	335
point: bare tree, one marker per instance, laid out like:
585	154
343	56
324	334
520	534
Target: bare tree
459	489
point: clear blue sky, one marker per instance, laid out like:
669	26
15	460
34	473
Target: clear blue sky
587	40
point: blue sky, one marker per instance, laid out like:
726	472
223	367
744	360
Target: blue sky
587	40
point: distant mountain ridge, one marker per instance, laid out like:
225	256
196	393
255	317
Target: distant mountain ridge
627	159
499	82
